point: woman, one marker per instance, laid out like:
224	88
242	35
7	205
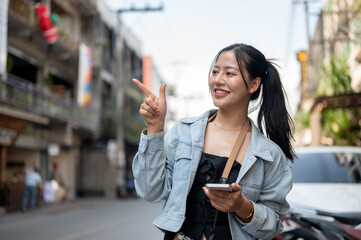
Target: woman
176	166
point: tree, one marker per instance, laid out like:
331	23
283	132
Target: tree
336	78
337	124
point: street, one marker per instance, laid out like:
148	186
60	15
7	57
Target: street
128	219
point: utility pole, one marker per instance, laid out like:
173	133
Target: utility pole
121	166
305	56
307	25
306	59
307	15
3	36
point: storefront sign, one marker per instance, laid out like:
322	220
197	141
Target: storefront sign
53	149
7	135
85	75
10	129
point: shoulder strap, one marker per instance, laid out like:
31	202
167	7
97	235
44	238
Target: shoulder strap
210	119
234	153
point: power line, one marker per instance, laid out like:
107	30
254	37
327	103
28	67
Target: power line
290	32
145	9
306	2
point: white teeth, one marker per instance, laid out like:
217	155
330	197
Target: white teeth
220	91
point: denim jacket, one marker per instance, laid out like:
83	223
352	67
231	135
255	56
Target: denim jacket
165	166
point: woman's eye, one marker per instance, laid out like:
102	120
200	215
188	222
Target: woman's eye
230	74
214	72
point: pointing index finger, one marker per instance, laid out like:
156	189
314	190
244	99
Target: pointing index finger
143	88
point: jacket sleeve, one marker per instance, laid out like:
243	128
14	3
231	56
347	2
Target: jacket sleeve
151	169
271	206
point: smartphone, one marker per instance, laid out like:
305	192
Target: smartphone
220	186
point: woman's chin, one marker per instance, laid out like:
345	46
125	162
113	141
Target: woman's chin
218	105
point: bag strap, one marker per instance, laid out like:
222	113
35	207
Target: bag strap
235	151
230	161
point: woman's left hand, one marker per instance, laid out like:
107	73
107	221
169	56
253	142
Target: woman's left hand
226	201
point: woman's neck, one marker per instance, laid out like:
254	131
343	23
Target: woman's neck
230	120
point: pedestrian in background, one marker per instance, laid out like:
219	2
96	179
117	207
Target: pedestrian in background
176	166
32	182
58	183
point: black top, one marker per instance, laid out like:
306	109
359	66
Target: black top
199	211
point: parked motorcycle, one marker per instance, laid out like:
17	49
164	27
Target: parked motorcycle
310	224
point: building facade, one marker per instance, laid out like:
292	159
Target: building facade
63	98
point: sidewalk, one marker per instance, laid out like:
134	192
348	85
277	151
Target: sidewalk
53	208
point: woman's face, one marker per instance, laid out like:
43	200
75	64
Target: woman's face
226	83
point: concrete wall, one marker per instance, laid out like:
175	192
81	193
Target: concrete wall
30	158
66	161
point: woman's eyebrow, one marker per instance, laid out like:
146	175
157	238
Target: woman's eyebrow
227	67
230	67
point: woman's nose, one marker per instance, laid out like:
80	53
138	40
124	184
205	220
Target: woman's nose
219	79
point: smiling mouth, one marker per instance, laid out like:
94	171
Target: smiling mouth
219	91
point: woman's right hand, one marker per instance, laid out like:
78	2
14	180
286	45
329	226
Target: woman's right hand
154	109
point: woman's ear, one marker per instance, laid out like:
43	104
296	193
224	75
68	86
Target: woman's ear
255	83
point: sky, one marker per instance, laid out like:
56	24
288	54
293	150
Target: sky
184	37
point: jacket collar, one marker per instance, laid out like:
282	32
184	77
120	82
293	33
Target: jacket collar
206	115
259	145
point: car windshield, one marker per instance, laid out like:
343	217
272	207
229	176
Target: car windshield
327	167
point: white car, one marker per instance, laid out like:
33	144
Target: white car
327	178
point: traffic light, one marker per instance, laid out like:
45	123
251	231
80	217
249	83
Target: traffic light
302	57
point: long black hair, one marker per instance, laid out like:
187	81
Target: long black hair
277	121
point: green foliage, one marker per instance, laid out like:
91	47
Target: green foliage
357	31
356	19
9	63
337	124
302	119
357	3
345	52
328	7
336	78
340	124
49	80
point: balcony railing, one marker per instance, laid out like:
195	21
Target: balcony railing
68	38
22	9
22	94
